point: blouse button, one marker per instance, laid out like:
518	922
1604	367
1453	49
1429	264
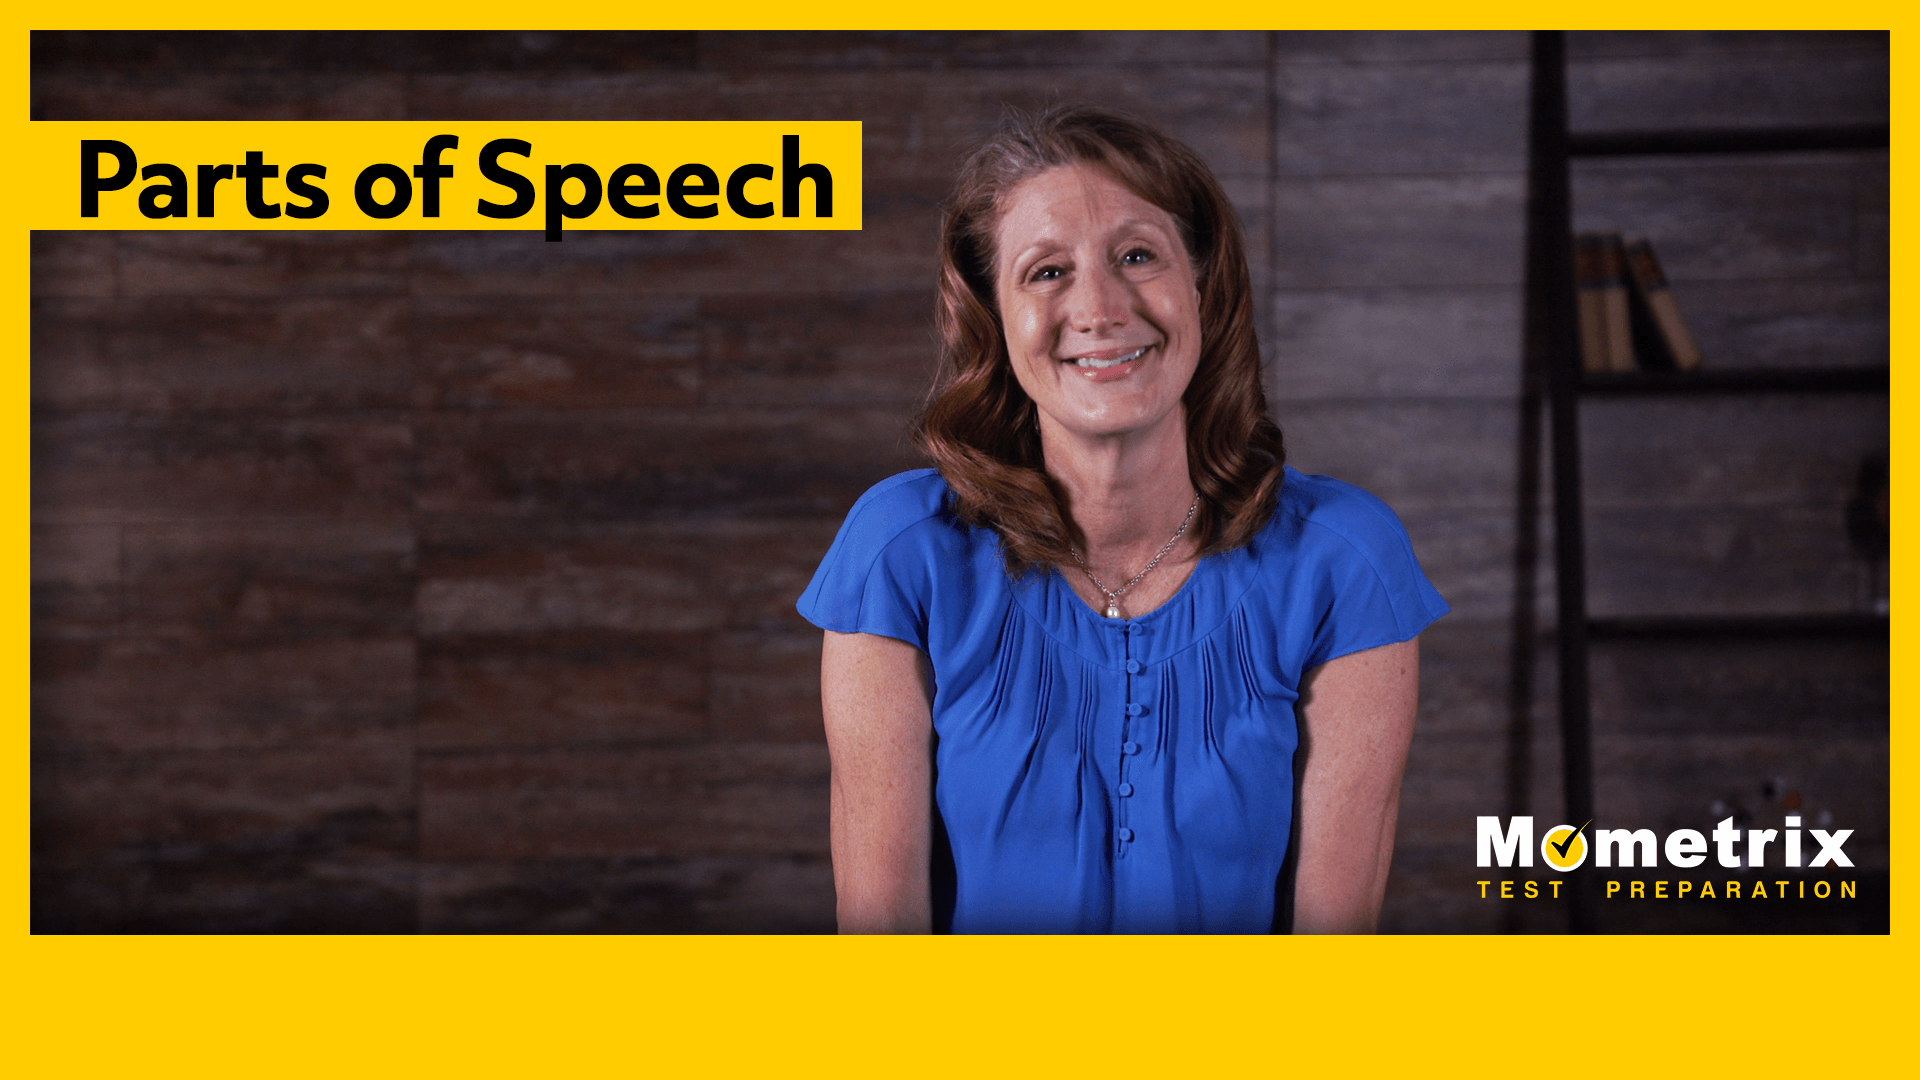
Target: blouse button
1130	748
1133	667
1125	790
1126	834
1135	709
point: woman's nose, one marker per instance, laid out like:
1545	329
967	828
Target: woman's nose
1098	300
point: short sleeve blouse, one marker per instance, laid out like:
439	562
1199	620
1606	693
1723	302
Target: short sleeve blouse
1098	775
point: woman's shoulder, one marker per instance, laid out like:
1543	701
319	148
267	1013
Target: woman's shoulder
906	516
894	506
896	547
1360	559
1335	507
1333	519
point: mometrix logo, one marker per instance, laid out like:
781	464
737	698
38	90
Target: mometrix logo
1564	847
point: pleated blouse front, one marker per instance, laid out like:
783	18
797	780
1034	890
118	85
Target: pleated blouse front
1098	775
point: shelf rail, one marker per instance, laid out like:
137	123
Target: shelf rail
1553	348
1781	140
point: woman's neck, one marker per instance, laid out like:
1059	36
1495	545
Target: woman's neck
1127	493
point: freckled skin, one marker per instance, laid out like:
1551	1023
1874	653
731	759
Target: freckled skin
1084	267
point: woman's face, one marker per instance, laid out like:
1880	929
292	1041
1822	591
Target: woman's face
1098	299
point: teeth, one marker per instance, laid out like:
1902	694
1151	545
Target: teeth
1090	362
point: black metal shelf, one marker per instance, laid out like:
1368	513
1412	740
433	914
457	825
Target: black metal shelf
1719	627
1835	380
1554	379
1779	140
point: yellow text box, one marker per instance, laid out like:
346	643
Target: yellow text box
553	175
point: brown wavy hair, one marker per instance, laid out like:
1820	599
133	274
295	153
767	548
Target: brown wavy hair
979	426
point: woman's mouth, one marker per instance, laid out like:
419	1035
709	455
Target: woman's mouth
1095	364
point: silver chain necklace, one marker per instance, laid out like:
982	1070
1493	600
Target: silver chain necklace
1114	595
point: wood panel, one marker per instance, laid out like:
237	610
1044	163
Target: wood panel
115	466
619	465
1293	47
1431	342
285	51
495	575
256	95
265	579
590	802
1872	237
71	264
75	580
1414	453
555	352
1379	119
304	840
180	353
1727	89
1761	323
1734	219
1836	688
1776	450
732	894
916	122
278	265
1153	51
1388	231
144	694
1707	45
853	348
562	689
1735	560
766	686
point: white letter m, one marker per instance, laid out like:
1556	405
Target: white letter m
1489	844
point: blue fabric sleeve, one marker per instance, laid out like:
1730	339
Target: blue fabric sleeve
876	579
1379	595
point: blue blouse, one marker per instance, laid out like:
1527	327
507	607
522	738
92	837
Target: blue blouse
1098	775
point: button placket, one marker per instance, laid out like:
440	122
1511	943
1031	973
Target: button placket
1129	747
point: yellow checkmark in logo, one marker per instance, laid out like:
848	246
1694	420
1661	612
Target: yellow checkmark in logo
1564	846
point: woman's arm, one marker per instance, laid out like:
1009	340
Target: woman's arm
1356	718
876	694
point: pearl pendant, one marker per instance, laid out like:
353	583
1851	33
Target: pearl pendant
1113	608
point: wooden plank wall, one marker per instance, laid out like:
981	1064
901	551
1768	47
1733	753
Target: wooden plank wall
444	581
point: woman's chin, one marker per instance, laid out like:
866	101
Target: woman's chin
1107	426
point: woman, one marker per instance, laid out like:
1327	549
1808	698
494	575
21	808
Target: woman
1066	674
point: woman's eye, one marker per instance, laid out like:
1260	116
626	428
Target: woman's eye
1136	257
1046	273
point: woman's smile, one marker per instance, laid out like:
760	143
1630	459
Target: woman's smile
1102	361
1110	365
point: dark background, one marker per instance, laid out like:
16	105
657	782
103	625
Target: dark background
431	581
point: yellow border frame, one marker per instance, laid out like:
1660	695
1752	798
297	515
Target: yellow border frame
564	1006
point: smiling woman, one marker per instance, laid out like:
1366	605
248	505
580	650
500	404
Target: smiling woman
1101	311
1071	675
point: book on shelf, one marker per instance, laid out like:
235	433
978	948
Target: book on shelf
1628	318
1600	279
1589	255
1666	341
